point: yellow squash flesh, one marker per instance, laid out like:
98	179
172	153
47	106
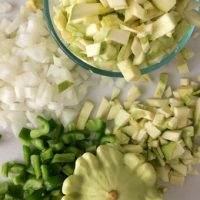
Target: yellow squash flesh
111	175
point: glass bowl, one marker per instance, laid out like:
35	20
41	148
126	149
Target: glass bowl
48	12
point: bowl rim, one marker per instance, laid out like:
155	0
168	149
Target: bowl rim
107	73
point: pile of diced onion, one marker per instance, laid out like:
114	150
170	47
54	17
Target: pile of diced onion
31	69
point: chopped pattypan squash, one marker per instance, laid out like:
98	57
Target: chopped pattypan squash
111	175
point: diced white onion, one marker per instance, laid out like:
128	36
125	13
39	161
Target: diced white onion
5	7
68	115
31	67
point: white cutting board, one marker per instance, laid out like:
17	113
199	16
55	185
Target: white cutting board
11	149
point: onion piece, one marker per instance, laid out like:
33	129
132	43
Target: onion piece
5	7
31	67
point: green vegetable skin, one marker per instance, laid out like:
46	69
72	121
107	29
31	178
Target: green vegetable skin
124	35
64	86
48	158
123	176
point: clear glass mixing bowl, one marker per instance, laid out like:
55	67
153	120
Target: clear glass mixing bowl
48	12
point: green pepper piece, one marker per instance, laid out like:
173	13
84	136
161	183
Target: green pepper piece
35	161
50	142
54	182
25	137
71	127
20	179
45	172
85	144
108	139
68	169
91	149
46	155
78	136
9	197
15	191
95	137
56	193
4	169
36	195
33	184
58	147
64	158
64	85
55	169
52	124
43	130
16	168
72	137
55	134
72	149
96	125
49	198
38	143
30	170
4	188
67	138
27	155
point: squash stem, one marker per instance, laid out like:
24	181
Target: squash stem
113	195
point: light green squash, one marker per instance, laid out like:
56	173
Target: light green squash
164	5
111	175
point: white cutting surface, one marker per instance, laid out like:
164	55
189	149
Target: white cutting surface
10	148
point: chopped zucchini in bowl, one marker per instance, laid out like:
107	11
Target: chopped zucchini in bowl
98	35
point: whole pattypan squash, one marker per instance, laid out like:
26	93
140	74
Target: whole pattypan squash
111	175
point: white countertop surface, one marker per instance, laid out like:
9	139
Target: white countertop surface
10	148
